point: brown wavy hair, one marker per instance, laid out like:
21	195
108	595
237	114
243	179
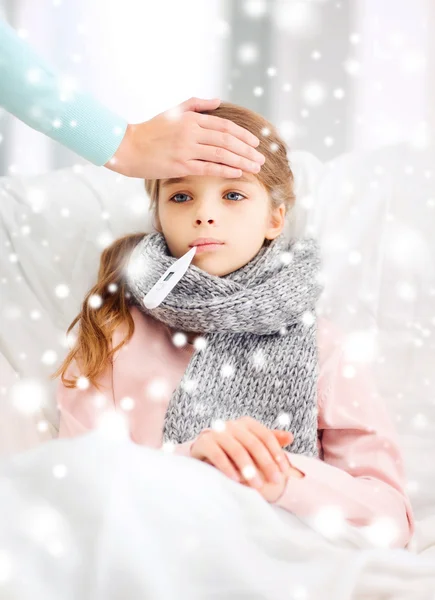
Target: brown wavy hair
92	347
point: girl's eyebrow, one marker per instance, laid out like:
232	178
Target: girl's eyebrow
174	180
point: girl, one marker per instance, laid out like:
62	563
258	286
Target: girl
233	365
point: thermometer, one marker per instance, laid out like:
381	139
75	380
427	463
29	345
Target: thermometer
168	280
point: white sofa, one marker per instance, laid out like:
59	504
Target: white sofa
373	214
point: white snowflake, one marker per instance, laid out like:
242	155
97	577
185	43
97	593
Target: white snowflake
113	426
190	385
60	471
349	371
199	408
34	75
168	447
200	343
82	383
314	93
179	339
62	291
248	53
37	199
352	66
283	420
308	318
382	532
354	38
127	403
300	19
158	388
95	301
360	346
329	521
99	400
223	28
49	357
42	426
227	370
218	425
255	8
249	472
28	396
286	257
104	239
259	359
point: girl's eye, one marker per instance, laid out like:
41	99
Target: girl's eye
173	199
236	193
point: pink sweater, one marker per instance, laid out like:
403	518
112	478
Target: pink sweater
360	469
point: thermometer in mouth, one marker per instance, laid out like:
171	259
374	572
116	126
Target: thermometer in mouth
168	280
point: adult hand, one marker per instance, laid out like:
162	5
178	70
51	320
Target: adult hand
181	142
243	446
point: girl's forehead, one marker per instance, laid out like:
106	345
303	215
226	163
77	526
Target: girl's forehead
204	179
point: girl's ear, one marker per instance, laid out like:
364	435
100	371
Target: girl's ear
276	222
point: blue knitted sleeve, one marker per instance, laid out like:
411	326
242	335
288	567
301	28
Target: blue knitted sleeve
43	99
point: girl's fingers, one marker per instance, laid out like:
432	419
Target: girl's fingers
246	451
271	442
239	455
218	458
263	456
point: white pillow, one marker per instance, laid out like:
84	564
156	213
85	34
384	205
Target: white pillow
373	216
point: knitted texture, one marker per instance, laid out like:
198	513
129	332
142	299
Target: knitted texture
258	355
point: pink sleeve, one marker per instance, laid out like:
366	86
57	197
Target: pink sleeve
80	408
362	470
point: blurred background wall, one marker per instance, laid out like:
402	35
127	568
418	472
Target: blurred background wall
334	76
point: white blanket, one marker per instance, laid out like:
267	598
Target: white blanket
102	518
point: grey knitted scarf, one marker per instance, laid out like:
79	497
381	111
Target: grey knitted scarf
258	325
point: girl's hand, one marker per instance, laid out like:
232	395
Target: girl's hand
272	491
247	451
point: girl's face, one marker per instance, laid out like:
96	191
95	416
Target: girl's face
234	211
